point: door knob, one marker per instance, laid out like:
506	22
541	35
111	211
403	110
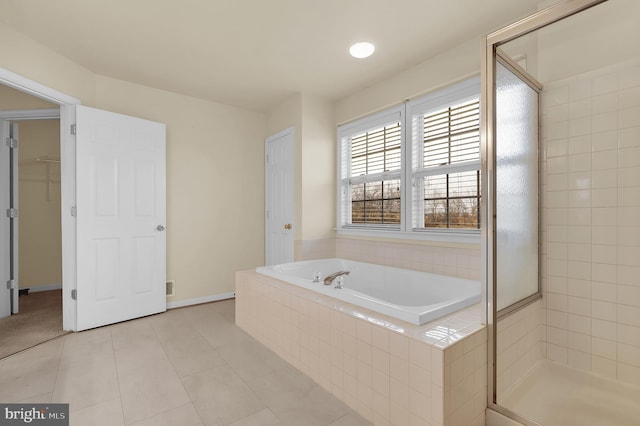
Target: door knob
160	228
287	226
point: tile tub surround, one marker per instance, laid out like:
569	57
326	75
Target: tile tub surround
389	371
456	260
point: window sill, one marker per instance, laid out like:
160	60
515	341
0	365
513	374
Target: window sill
440	237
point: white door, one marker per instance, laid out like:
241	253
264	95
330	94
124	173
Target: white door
279	197
121	215
5	223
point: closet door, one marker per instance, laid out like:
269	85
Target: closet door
121	217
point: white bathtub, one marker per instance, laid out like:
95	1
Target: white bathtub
412	296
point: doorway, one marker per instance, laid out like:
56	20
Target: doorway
279	197
32	307
114	247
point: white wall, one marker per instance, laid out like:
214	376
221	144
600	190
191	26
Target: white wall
441	70
215	171
215	184
30	59
313	122
318	168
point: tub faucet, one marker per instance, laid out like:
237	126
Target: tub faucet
329	279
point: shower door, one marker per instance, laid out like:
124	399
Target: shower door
516	186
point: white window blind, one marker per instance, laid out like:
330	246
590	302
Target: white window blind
372	163
446	159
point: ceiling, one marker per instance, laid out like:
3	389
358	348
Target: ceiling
255	53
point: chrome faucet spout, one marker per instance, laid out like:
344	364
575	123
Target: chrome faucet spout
329	279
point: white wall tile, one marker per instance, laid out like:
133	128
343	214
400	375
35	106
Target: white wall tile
605	84
604	141
580	89
628	117
604	216
629	137
629	98
605	103
629	177
629	77
607	178
604	160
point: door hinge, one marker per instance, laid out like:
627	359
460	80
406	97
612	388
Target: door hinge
73	129
74	294
12	143
11	284
74	211
12	213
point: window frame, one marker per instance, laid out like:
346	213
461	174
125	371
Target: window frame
458	93
406	113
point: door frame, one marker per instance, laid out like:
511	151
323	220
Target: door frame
9	116
67	182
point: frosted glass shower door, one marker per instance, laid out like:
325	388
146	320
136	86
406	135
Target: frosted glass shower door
516	188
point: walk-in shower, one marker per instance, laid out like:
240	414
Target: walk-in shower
561	238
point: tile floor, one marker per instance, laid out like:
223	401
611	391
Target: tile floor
189	366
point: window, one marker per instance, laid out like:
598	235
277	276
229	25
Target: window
436	187
446	171
372	172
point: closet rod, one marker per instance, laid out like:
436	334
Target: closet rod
47	160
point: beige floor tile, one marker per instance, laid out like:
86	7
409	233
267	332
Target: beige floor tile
226	309
108	413
38	399
150	362
191	354
226	376
351	420
261	418
182	416
221	396
86	345
295	399
221	334
30	373
133	334
87	383
171	325
145	396
250	359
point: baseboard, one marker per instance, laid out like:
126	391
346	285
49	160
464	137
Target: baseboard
199	300
46	287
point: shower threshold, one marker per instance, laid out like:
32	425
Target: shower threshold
556	395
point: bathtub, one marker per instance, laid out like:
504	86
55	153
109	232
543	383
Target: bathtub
412	296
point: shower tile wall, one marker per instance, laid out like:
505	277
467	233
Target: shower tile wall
591	221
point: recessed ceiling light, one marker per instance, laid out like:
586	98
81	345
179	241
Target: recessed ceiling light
362	49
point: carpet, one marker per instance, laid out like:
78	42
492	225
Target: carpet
39	320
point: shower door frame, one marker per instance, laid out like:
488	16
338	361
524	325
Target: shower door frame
490	45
